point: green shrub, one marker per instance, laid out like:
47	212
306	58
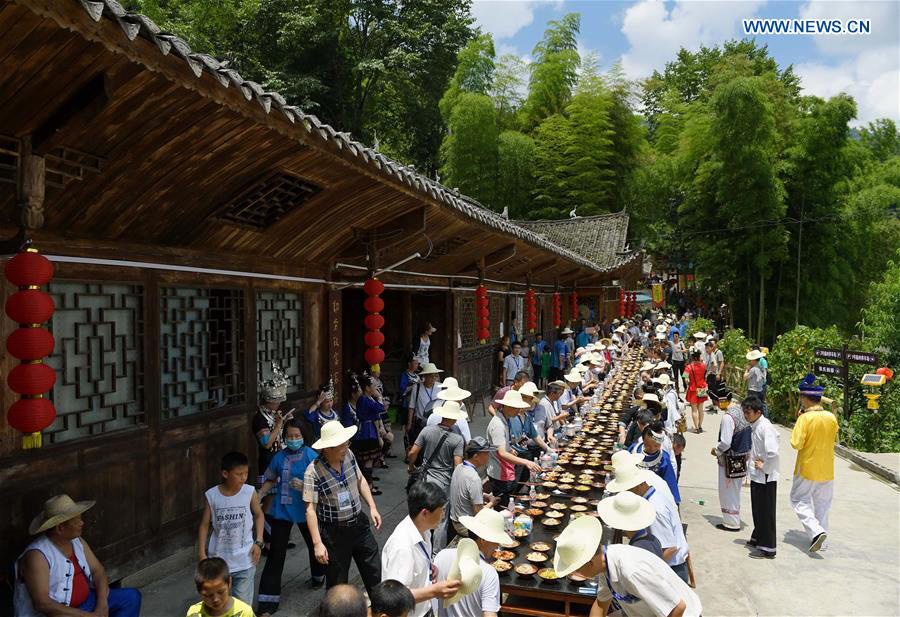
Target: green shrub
734	346
881	323
875	430
697	324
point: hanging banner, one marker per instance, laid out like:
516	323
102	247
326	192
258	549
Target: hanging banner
659	295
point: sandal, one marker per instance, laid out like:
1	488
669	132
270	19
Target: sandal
377	491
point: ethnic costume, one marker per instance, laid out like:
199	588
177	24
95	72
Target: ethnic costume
660	463
733	425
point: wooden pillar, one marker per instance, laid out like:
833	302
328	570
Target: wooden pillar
406	327
335	340
31	188
453	332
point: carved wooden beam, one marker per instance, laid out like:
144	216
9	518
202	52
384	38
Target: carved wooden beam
385	236
31	188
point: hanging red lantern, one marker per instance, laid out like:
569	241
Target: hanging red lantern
30	307
530	311
30	343
482	310
374	338
557	310
573	299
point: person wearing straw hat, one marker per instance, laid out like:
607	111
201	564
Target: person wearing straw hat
406	556
58	573
501	469
452	393
422	401
630	517
442	451
333	489
631	579
700	345
656	448
755	376
715	366
813	436
667	527
479	594
518	381
525	439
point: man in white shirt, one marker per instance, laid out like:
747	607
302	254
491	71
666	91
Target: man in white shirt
763	466
486	529
406	556
513	363
422	400
635	579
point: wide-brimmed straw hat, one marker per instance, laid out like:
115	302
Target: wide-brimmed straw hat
754	354
621	329
625	458
597	359
466	568
647	366
577	545
451	391
626	511
513	399
628	475
58	509
574	376
649	397
430	369
488	525
529	388
700	335
334	434
567	331
663	379
662	365
451	410
661	328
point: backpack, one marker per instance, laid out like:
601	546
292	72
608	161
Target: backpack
741	441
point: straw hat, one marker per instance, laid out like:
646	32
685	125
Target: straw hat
649	397
628	475
58	509
754	354
621	329
451	410
663	365
334	434
625	458
512	398
448	382
466	568
597	359
452	392
700	335
663	379
577	545
430	369
488	525
529	388
573	376
558	384
661	329
647	366
567	330
626	511
579	351
606	341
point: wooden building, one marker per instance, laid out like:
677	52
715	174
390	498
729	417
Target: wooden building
201	228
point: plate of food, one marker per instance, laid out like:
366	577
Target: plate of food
549	485
577	578
555	514
502	566
542	496
558	506
520	533
548	574
579	508
541	547
550	522
536	557
579	499
526	569
534	512
513	544
539	504
504	555
583	488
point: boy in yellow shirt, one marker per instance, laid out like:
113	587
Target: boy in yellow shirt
214	586
814	435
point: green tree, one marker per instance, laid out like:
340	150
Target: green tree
474	72
554	71
551	175
469	152
515	169
881	138
508	88
881	324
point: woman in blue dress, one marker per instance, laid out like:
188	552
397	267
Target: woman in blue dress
656	458
363	408
322	410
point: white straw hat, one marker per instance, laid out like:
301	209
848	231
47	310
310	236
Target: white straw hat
512	398
448	382
663	379
649	396
647	366
453	392
58	509
597	359
573	376
334	434
430	369
466	568
577	545
663	365
754	354
529	388
625	458
621	329
661	329
700	335
488	525
567	330
451	410
626	511
628	475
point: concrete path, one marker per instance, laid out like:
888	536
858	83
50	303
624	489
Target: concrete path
859	574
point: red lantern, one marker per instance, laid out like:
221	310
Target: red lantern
557	310
31	379
30	306
374	356
31	415
481	292
29	268
374	338
482	311
374	321
30	343
530	311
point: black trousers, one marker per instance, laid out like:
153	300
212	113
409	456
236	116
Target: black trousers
762	499
270	583
502	489
678	369
346	542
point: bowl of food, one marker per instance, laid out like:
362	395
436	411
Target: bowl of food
565	488
555	514
548	575
579	508
541	547
534	512
511	545
583	488
579	499
526	569
504	555
550	522
502	567
536	557
577	578
520	533
550	485
558	506
542	497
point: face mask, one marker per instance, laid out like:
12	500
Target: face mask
294	444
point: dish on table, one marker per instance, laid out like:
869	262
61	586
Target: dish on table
548	574
520	533
558	506
539	504
513	544
579	499
534	512
550	522
541	547
502	566
503	555
542	496
536	557
555	514
579	508
526	569
577	578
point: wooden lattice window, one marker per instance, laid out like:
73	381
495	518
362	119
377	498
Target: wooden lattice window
201	349
498	314
267	201
467	320
99	359
65	165
279	336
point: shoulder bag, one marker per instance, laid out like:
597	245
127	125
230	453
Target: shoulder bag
419	474
736	456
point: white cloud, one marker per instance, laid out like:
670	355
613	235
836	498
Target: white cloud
504	18
884	18
655	33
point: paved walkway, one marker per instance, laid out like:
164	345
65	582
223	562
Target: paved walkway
859	574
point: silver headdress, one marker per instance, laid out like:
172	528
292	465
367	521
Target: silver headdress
329	391
274	390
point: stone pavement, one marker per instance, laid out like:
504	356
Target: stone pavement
859	574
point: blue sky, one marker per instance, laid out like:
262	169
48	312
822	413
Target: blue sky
645	34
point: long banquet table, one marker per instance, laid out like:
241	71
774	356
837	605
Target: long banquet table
588	453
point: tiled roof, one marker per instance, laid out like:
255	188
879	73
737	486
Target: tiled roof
599	239
311	128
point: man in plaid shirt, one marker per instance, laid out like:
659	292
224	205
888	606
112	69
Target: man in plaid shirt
340	530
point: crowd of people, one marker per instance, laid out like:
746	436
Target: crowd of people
318	471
